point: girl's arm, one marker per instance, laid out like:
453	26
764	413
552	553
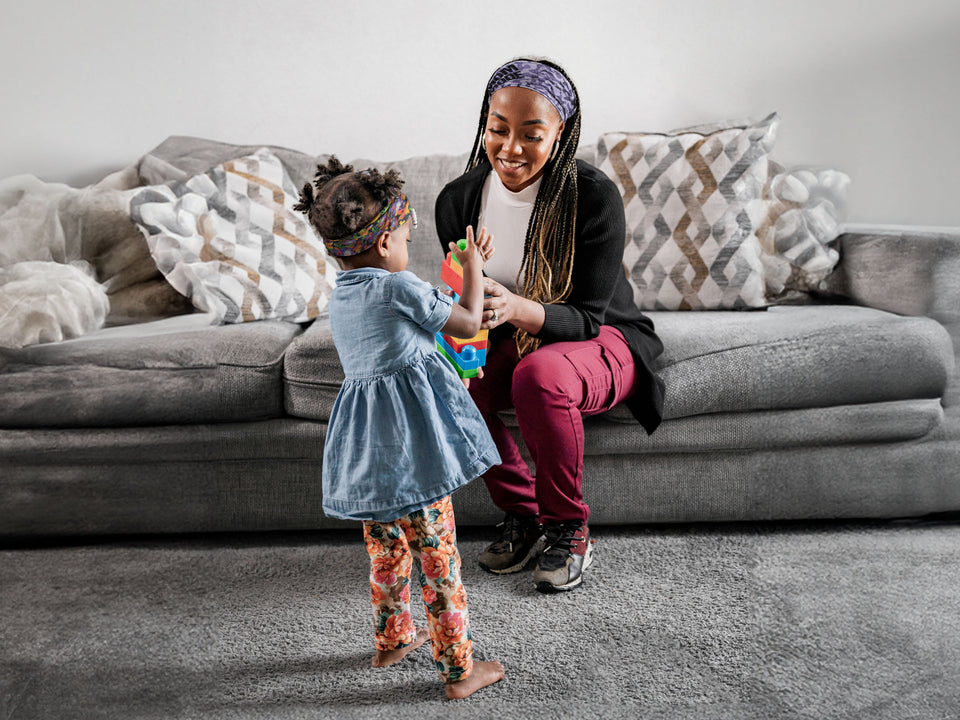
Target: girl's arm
466	316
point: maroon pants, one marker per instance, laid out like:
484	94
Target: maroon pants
552	390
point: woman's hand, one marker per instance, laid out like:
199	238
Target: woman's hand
502	306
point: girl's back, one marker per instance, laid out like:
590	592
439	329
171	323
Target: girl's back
383	321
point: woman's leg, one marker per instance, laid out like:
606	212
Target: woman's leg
510	484
553	389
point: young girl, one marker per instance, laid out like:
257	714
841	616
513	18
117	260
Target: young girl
403	433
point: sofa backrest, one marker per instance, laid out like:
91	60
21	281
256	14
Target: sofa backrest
179	157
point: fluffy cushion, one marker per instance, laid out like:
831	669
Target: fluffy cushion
44	302
230	240
691	200
802	217
47	224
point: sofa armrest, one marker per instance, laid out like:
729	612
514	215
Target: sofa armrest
909	271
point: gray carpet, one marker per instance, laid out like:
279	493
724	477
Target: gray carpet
738	621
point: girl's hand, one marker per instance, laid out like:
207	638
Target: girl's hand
477	249
466	381
484	243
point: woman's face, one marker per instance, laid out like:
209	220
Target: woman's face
522	127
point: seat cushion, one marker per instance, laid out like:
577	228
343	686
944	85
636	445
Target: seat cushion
786	357
792	357
176	370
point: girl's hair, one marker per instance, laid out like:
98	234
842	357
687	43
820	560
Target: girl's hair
549	244
341	201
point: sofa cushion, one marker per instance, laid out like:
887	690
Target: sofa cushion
798	224
312	374
177	370
787	357
798	357
179	157
868	423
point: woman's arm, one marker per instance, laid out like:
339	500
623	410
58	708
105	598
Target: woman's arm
502	306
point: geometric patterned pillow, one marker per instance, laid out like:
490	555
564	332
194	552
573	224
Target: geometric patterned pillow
692	202
230	240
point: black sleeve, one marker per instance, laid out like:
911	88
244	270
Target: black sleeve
597	264
451	214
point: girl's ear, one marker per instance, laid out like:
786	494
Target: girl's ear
381	244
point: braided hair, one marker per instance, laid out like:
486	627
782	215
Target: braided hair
548	248
341	201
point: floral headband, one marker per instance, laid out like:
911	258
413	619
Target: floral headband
393	215
536	76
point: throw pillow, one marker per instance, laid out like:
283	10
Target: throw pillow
692	201
230	240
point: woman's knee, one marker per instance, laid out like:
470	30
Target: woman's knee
544	375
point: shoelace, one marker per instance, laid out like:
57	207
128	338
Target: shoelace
512	531
563	536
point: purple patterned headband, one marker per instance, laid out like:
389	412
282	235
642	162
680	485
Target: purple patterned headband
547	81
393	215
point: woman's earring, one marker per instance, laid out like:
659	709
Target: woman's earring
556	149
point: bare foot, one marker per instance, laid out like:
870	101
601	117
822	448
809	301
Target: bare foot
484	673
383	658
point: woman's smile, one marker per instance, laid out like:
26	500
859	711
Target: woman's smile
511	165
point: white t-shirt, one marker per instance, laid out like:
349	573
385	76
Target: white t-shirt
506	215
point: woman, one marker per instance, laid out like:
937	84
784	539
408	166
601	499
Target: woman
566	338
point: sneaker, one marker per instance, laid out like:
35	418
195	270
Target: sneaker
519	541
567	554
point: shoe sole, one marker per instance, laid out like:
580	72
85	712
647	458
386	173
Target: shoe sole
546	587
532	553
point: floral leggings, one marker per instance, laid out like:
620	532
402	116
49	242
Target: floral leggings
430	535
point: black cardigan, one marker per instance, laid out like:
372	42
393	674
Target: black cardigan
600	295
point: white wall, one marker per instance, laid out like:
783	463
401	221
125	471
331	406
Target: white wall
869	87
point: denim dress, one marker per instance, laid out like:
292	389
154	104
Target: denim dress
404	432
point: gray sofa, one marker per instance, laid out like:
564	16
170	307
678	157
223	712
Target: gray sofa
847	406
